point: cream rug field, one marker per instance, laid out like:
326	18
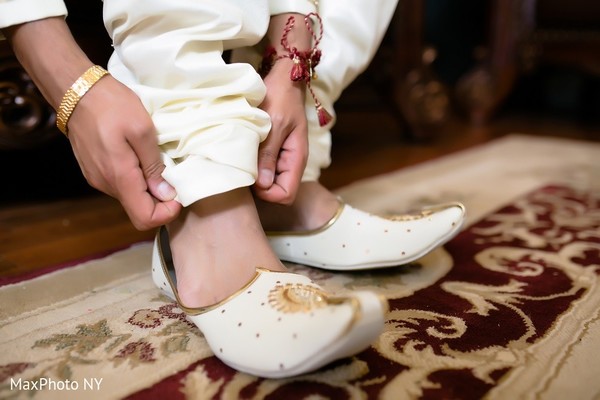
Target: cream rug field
509	309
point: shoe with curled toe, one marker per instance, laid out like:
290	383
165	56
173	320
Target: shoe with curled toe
356	240
279	324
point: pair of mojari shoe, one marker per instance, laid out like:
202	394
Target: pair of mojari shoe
282	324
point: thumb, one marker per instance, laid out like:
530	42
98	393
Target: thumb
157	185
152	167
268	153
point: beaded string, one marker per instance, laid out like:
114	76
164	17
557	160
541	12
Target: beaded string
304	61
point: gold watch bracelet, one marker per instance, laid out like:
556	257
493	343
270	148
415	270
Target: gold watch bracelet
74	95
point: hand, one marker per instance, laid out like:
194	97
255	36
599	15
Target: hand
114	141
111	133
282	156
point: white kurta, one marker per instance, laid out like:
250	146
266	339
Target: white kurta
205	110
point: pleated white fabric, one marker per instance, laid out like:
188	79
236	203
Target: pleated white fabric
205	111
13	12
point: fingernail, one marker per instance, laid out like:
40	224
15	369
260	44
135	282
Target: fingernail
265	177
166	191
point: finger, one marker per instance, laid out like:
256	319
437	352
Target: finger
145	145
283	190
268	154
290	168
275	194
144	211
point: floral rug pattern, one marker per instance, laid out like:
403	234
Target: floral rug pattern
504	309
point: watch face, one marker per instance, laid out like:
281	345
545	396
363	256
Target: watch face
80	87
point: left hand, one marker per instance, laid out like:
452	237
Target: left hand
282	155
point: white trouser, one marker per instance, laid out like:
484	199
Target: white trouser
206	111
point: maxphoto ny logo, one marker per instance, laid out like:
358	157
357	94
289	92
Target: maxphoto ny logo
51	384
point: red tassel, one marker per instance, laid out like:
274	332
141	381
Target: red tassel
298	71
324	116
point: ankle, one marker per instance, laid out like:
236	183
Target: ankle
217	243
314	207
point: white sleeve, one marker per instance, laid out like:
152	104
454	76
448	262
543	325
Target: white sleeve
13	12
291	6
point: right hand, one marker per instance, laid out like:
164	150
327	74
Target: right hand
114	141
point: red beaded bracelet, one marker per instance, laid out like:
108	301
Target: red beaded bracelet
304	61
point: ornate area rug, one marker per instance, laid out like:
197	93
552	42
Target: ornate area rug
509	309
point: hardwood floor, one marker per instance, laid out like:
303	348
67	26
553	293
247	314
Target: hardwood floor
366	143
386	150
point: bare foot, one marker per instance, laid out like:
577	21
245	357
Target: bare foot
314	206
217	243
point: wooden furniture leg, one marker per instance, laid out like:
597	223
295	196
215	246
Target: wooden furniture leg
420	96
482	90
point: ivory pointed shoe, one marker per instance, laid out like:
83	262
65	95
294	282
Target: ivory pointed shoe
279	324
354	239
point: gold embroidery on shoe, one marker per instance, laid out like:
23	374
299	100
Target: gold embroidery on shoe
410	217
292	298
426	212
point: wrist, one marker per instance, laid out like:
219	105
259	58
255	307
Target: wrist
303	61
74	94
297	36
48	52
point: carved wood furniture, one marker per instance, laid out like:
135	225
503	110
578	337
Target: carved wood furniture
26	120
523	35
25	117
420	96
